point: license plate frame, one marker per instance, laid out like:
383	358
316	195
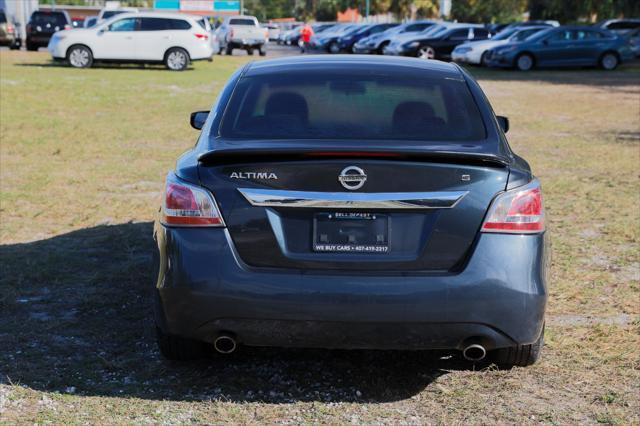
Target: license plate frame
351	232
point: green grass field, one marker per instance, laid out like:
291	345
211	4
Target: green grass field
83	155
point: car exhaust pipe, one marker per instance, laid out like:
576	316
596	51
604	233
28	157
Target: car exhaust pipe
225	344
474	352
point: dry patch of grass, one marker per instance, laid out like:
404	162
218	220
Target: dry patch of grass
82	157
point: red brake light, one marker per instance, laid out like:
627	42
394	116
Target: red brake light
519	211
189	205
202	36
67	27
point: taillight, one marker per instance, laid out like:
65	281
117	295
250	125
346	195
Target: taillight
67	27
188	205
202	36
9	29
231	33
518	211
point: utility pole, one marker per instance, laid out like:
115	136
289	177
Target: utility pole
367	10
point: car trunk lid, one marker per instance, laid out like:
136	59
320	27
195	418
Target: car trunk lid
295	210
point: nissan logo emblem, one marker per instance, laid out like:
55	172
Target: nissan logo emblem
352	178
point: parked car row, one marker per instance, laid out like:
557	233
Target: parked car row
521	45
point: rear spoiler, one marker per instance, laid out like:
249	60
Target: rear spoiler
238	156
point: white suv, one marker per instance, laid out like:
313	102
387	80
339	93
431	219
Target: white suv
169	38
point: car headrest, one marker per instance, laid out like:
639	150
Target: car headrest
412	111
287	103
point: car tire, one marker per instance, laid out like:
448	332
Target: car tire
228	51
483	59
380	50
334	48
609	61
32	47
262	51
176	59
250	51
176	348
79	56
525	62
519	356
426	52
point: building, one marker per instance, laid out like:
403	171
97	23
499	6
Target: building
217	8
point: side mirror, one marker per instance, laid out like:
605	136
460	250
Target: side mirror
503	122
198	119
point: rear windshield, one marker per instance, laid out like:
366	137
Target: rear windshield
357	105
3	18
54	18
242	22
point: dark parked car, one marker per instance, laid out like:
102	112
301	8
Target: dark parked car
437	45
42	25
347	41
352	202
619	26
377	42
563	46
328	40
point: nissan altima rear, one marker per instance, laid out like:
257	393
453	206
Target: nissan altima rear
357	203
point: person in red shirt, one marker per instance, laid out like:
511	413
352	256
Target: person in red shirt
305	37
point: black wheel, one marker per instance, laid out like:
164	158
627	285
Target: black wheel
250	51
334	48
524	62
176	59
262	51
178	348
521	355
380	50
483	59
609	61
31	47
15	45
79	57
229	50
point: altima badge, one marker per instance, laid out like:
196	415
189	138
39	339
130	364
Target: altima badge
253	175
352	178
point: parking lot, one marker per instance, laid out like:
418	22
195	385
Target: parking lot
82	162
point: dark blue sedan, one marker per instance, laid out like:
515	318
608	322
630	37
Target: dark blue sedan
352	202
562	47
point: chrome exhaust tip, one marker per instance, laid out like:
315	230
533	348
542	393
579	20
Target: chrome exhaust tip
474	352
225	344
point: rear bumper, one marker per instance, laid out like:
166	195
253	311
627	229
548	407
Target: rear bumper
200	51
203	288
245	44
